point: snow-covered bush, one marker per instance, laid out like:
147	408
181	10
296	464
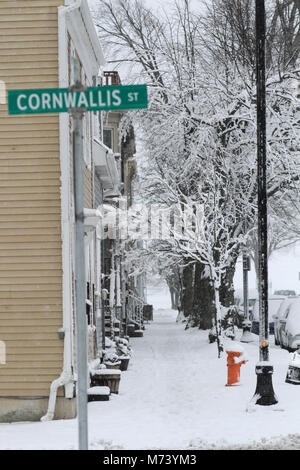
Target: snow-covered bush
123	348
109	343
111	358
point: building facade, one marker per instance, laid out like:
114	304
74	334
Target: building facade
38	41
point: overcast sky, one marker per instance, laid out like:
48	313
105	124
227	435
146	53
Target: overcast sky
284	269
157	4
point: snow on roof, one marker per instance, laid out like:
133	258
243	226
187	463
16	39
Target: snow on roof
293	319
295	306
274	303
284	305
275	296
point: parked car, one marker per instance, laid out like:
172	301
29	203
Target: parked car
280	318
290	332
252	296
251	302
274	303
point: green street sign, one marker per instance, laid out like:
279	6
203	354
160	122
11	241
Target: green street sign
61	100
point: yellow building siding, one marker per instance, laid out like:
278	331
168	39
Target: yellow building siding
30	206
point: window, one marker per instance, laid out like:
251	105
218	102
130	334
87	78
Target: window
90	303
74	66
97	125
108	138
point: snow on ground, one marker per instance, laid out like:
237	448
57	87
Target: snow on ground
173	396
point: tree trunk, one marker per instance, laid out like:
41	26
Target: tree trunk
188	290
204	308
172	292
227	287
176	302
218	319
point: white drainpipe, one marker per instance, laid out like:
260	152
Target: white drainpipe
112	283
66	378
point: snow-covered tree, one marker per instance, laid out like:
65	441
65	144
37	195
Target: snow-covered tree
198	137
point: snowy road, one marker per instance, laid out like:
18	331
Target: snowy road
173	397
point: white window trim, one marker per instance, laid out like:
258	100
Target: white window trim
83	34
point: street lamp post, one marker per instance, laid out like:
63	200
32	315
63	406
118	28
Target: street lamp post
264	393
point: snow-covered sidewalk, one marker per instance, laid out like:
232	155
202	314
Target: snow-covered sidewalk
173	396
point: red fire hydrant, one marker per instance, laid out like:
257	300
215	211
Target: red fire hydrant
234	365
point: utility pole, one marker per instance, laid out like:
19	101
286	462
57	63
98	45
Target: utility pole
264	393
80	281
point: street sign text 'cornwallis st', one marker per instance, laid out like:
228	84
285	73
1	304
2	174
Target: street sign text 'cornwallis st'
60	100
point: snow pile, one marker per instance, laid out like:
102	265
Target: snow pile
110	356
295	359
123	348
108	372
234	347
98	391
94	366
289	442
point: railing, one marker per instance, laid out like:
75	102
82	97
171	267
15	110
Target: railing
135	309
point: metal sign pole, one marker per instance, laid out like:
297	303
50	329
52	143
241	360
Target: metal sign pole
264	390
80	282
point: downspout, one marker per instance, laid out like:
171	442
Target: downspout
118	261
66	378
112	290
112	284
98	289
